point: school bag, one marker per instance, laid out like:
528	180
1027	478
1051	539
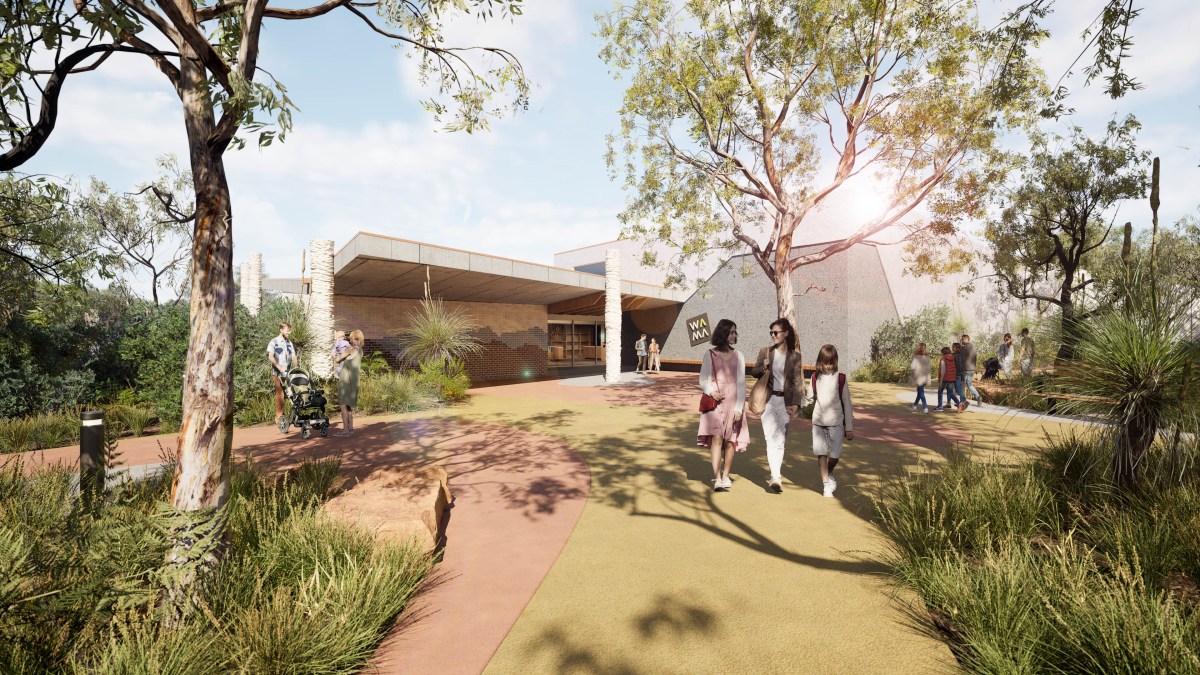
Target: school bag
841	388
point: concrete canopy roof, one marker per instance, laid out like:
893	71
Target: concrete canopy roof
386	267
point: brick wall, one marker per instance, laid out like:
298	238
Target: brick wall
513	336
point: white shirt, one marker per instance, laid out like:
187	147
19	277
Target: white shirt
828	411
708	385
283	351
778	361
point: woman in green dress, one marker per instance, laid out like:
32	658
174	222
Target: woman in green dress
351	361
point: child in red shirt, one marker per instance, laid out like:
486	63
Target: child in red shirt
946	376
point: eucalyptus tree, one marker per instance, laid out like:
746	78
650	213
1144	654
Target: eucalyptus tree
741	120
1059	214
208	55
148	229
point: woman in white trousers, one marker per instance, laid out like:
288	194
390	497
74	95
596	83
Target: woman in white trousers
780	361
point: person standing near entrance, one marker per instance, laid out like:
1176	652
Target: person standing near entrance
349	366
640	348
722	429
282	355
1025	353
653	351
780	361
969	358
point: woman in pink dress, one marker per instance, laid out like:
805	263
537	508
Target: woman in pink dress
723	376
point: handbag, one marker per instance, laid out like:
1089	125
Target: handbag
707	402
756	402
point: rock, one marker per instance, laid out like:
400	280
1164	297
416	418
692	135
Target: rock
397	504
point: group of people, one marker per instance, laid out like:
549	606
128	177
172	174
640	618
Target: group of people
347	364
956	370
647	355
723	429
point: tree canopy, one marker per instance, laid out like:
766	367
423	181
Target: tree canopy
1059	212
740	120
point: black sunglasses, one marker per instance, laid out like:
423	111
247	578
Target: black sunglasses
777	332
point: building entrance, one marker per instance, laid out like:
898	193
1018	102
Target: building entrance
573	343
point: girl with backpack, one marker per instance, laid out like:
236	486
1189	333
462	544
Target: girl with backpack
832	416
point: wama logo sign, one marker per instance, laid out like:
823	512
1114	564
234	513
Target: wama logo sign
698	331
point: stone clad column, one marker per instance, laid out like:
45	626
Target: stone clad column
612	315
252	283
320	308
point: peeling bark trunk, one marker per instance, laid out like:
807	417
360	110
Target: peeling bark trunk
206	431
205	440
785	293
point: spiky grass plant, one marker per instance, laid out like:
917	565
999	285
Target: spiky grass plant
1137	369
436	333
297	591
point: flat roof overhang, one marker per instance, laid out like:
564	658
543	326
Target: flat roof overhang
378	266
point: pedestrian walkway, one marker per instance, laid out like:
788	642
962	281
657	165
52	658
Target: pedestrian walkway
585	536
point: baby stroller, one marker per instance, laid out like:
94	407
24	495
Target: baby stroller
990	368
308	404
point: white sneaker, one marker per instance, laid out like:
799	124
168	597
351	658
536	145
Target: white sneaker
727	482
833	481
913	407
829	488
926	410
776	485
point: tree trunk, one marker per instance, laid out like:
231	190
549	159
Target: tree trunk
206	431
1132	443
785	292
205	438
1070	331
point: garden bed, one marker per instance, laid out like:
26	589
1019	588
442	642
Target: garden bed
295	590
1047	567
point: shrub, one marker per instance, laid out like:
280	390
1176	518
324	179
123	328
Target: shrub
889	371
438	334
258	409
896	339
1047	567
448	380
392	393
968	507
295	591
17	434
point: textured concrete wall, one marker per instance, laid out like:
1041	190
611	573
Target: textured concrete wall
839	301
513	336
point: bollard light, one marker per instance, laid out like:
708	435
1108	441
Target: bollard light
91	452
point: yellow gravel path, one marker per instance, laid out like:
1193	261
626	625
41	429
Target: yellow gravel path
662	576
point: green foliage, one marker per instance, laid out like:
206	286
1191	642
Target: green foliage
448	380
1139	369
61	350
393	393
728	109
147	231
896	339
157	342
374	365
890	371
1059	213
1047	566
435	333
40	242
40	432
295	592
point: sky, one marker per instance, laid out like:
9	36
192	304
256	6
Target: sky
365	156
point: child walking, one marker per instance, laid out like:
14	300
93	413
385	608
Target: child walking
832	416
920	376
947	374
